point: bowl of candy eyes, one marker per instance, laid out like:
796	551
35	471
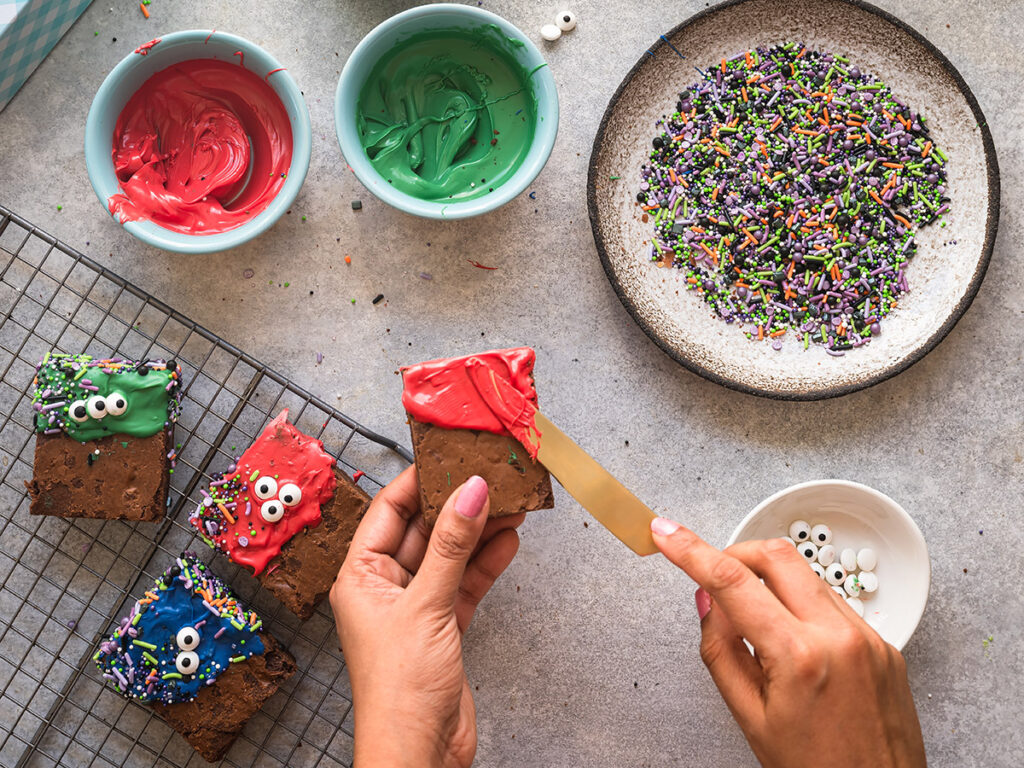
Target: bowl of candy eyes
860	542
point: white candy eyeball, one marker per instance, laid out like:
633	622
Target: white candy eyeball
116	403
187	638
265	487
827	554
849	559
290	494
857	605
272	510
816	567
808	550
839	591
786	538
821	534
78	411
867	559
550	32
799	531
187	662
96	406
566	21
868	581
835	574
852	586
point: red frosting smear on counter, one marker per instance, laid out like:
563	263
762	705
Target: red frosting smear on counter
286	456
491	391
202	147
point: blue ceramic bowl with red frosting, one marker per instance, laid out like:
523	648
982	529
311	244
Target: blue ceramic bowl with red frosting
237	182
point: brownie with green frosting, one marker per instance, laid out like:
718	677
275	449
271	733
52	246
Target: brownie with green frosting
104	437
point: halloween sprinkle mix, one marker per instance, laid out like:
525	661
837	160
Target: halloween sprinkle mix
787	185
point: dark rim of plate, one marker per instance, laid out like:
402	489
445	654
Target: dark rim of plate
991	218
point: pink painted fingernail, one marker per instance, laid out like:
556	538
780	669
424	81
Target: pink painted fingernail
703	602
471	498
662	526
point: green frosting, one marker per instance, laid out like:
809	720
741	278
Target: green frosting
448	114
87	399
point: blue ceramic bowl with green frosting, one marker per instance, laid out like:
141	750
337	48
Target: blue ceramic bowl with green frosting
446	111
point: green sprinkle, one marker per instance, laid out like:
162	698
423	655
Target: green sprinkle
449	479
171	676
151	658
614	178
60	207
236	659
254	475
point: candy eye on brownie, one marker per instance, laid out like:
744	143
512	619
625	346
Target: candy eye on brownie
265	488
187	638
290	494
116	403
78	411
272	510
96	406
187	662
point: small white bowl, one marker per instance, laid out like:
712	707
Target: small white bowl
859	517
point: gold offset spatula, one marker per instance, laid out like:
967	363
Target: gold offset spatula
604	497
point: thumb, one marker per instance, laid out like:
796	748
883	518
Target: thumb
452	542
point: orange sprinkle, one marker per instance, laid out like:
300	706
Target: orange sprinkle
714	195
745	243
692	280
348	259
901	220
760	333
825	112
805	132
723	66
743	92
802	52
227	515
776	124
926	150
750	62
651	207
780	332
892	165
789	272
142	8
875	197
672	174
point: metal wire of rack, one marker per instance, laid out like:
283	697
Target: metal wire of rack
65	582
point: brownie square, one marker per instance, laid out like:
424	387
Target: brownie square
212	721
190	649
301	575
115	477
286	513
104	436
446	458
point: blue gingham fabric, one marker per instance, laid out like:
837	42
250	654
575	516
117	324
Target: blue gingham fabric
28	31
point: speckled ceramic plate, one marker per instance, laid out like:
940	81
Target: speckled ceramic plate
943	277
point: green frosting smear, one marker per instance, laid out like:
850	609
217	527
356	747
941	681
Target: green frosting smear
87	398
448	114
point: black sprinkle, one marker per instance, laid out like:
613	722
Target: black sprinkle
378	298
357	205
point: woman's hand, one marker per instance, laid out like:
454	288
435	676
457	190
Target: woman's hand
402	601
823	687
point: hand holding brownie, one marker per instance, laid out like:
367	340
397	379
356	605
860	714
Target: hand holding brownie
822	678
402	601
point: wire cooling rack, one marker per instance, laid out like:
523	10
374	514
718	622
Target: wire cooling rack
65	582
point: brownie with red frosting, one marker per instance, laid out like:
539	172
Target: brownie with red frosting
286	512
460	430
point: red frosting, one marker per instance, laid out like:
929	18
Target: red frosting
491	391
202	147
289	456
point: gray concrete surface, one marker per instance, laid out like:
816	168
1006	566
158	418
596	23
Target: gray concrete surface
584	654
